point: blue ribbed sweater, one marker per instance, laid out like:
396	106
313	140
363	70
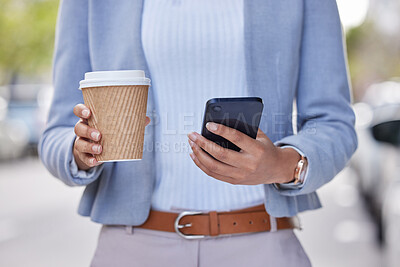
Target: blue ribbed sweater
195	51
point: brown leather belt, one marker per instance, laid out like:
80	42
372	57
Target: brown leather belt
193	225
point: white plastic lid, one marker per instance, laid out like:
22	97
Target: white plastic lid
110	78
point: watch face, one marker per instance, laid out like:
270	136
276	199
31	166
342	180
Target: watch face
303	171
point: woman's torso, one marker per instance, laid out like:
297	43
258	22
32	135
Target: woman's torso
194	51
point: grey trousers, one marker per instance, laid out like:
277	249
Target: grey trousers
127	246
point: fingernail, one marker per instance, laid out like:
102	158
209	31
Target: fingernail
211	126
92	161
192	136
85	112
95	135
96	148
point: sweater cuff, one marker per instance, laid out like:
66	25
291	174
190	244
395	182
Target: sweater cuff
76	176
80	174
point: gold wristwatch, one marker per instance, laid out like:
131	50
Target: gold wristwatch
300	171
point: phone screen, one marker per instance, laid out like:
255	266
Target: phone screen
243	114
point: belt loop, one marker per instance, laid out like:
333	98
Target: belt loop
273	224
214	223
129	229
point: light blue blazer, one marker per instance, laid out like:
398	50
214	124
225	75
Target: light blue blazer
294	51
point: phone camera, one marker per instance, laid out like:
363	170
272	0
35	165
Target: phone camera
216	108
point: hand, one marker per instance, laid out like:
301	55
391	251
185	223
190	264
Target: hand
258	162
85	145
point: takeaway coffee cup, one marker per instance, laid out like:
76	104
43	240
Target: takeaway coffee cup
118	102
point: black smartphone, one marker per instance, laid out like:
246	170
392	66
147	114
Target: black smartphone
240	113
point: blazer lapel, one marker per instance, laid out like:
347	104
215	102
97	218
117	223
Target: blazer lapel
272	46
115	35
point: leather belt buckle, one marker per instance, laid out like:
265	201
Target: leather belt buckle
178	226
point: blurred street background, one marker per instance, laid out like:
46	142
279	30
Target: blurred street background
359	224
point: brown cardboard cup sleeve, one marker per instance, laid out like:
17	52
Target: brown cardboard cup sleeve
118	109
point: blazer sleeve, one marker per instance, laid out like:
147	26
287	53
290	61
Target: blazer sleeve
325	119
71	61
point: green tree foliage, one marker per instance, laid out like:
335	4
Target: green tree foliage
373	57
26	36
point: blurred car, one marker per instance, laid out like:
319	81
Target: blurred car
377	162
23	112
